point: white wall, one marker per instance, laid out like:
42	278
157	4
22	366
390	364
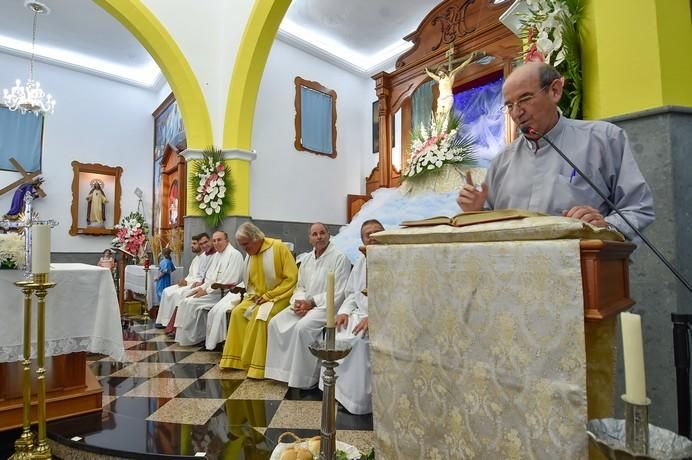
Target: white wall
95	121
208	33
298	186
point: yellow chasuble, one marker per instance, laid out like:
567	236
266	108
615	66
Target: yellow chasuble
246	342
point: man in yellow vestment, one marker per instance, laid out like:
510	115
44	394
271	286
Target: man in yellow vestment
270	277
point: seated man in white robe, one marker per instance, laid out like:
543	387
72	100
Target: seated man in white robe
354	382
172	295
292	330
217	319
227	267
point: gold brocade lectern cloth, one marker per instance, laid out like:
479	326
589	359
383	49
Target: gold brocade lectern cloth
478	350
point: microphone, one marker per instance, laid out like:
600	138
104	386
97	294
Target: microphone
532	132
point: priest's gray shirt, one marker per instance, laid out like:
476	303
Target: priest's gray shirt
530	175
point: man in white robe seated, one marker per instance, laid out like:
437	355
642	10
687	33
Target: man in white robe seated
172	295
226	268
292	330
354	382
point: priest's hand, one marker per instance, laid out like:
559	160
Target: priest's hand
472	197
341	321
199	292
362	326
258	299
587	214
196	283
301	307
182	282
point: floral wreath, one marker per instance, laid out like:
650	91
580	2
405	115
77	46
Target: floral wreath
211	181
442	143
550	29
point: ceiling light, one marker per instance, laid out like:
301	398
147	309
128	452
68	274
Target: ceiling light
30	98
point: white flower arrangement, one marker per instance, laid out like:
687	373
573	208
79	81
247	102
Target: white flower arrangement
440	144
545	18
551	31
212	186
12	250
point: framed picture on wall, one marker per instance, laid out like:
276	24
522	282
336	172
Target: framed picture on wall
376	128
169	135
95	198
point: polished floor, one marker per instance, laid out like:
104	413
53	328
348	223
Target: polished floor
168	401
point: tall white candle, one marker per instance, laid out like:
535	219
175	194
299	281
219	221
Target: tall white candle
330	299
40	248
633	352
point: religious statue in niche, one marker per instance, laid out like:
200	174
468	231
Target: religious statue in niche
173	204
445	82
96	204
17	206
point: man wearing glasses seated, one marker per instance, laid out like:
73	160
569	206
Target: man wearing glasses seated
529	174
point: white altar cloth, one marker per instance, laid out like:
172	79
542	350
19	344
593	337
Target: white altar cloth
134	280
82	313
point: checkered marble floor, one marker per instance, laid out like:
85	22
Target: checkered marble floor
166	399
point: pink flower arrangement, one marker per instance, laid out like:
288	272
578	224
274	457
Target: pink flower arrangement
131	233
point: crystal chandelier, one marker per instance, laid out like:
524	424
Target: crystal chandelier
30	98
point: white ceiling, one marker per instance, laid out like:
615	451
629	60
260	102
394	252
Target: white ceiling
358	35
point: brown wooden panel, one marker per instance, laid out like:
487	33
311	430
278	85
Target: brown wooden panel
605	278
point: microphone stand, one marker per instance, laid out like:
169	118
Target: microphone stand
681	322
660	256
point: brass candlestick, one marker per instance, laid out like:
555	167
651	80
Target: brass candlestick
25	443
329	351
40	286
145	316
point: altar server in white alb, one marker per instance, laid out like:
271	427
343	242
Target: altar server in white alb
354	382
226	268
292	330
172	295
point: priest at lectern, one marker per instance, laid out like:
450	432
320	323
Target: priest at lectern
529	174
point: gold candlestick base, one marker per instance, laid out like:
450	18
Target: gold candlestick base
40	286
24	445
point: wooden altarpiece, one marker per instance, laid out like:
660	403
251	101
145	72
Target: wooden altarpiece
465	25
173	179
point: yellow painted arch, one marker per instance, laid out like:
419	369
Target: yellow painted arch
253	51
163	49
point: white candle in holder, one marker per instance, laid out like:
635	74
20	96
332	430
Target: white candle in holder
40	248
330	300
633	353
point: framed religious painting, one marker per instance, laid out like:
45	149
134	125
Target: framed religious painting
169	140
96	195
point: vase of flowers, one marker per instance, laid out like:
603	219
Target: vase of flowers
131	233
440	144
211	181
12	251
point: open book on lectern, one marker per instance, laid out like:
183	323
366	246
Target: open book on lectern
473	217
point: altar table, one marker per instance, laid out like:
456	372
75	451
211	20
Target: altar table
82	315
134	280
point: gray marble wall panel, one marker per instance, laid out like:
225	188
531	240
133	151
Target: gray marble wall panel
661	140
